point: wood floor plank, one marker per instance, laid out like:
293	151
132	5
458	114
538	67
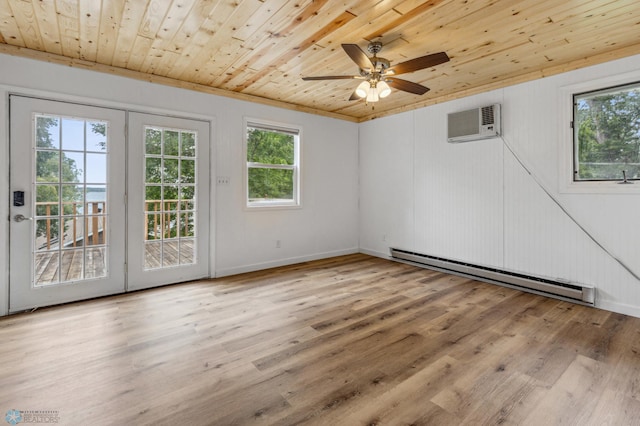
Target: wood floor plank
573	397
352	340
408	402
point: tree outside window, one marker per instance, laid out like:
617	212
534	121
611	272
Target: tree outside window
607	134
59	189
272	166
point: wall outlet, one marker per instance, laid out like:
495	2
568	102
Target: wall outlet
278	244
223	180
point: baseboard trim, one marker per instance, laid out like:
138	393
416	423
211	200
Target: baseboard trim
375	253
225	272
619	308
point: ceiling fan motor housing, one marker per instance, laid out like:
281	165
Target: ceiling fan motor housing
381	64
374	47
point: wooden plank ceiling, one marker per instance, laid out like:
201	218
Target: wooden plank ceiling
259	50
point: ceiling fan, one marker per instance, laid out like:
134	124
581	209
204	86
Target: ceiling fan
379	75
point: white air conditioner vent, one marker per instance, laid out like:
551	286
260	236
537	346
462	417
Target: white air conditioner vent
474	124
487	116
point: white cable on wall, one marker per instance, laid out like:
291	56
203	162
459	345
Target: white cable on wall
555	200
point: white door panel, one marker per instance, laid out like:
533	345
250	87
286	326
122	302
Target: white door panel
67	160
168	200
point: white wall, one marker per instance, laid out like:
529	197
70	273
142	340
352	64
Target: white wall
472	201
326	225
475	202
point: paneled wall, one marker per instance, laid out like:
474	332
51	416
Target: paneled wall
482	203
457	184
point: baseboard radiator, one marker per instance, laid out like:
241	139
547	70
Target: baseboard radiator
584	295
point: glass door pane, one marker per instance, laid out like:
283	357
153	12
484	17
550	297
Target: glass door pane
71	189
170	193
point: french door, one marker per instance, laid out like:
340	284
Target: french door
67	208
95	214
168	200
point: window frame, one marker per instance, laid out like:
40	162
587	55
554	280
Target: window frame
567	146
576	149
294	130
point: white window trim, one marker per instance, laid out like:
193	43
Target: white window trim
296	167
566	154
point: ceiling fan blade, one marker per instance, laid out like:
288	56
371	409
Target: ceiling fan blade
354	97
331	77
419	63
407	86
358	56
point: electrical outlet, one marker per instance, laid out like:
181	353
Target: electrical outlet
278	244
223	180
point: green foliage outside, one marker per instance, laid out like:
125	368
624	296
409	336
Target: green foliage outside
608	131
48	164
170	177
270	148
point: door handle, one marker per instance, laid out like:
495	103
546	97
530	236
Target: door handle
20	218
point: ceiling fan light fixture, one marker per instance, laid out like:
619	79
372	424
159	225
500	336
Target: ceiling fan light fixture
372	96
363	89
383	89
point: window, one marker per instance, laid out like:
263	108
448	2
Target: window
606	134
273	165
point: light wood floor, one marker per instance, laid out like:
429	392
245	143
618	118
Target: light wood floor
345	341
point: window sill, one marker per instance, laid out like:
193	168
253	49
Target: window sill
599	187
272	206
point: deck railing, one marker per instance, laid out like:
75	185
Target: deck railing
74	212
159	221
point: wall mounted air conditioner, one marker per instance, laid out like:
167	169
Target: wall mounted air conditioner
474	124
